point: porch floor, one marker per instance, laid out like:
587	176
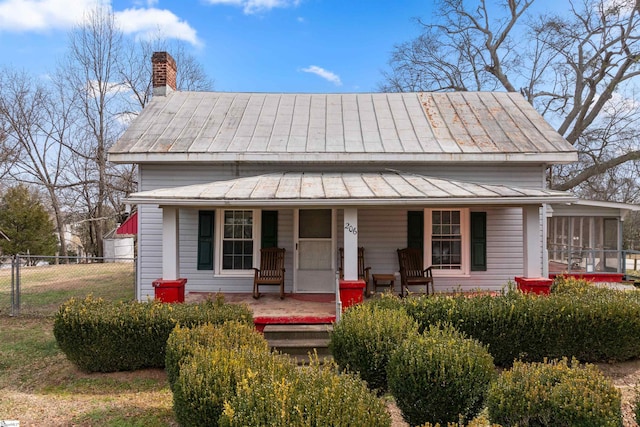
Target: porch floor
270	309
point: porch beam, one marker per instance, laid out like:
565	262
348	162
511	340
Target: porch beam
170	248
532	241
350	230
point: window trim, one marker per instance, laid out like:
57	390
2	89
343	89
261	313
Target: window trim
465	265
219	271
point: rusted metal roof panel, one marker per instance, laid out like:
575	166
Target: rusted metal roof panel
215	126
374	188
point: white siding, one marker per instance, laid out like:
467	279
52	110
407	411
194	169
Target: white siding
381	231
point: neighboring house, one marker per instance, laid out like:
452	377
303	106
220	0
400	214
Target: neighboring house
119	244
460	175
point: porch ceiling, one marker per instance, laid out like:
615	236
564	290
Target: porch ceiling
345	189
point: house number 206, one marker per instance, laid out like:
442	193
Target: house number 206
351	228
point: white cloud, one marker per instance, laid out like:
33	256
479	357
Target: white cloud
255	6
42	15
153	23
45	15
325	74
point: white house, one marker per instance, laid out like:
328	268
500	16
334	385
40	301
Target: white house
459	175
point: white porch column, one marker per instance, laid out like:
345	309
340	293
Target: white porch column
170	251
350	244
532	240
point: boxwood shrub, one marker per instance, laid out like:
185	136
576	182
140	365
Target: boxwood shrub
104	336
588	323
558	393
440	376
313	396
232	334
364	338
209	376
240	382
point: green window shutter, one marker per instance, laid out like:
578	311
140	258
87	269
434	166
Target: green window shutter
269	238
478	241
205	239
415	229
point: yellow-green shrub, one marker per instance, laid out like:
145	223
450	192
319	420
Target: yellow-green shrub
209	376
313	396
439	376
106	336
364	339
558	393
230	335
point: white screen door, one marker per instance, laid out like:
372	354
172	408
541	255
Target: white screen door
314	267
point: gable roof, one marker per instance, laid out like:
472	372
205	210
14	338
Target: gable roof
362	127
346	189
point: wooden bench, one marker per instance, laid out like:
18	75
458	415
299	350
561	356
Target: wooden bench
412	272
271	271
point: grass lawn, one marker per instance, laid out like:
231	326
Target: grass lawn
43	289
40	387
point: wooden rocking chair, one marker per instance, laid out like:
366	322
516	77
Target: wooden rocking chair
271	271
412	271
363	272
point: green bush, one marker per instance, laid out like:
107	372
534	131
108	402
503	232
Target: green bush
209	377
233	335
554	394
312	396
439	376
594	326
104	336
365	337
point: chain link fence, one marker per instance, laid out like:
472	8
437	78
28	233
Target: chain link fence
37	285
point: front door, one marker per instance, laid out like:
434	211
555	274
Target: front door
315	269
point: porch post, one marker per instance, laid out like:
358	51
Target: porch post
170	251
350	227
532	241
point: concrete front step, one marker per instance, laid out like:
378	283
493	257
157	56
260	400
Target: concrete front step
279	332
299	340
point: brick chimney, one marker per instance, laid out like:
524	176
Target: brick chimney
164	73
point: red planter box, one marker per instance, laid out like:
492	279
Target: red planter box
539	285
169	290
351	292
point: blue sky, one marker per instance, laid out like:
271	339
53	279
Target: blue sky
244	45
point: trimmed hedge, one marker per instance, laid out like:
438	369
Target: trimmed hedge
238	382
104	336
588	323
312	396
364	339
440	376
230	335
559	393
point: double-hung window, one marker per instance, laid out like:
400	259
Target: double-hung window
237	240
448	237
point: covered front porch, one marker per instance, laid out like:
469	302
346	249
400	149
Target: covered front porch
212	233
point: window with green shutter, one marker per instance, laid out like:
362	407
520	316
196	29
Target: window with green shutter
205	239
478	241
415	229
269	238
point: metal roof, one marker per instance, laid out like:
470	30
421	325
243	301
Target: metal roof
362	127
345	189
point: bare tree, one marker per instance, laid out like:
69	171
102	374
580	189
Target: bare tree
37	123
89	72
578	69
